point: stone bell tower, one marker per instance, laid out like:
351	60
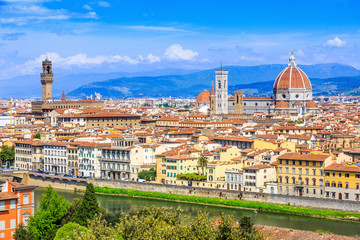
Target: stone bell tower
47	79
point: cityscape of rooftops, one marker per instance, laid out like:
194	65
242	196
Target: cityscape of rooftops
179	119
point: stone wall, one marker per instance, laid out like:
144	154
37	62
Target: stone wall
55	182
228	194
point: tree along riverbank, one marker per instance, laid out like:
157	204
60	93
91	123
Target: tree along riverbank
258	206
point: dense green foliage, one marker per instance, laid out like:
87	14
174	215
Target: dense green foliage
68	231
7	153
89	206
148	175
166	223
233	203
191	177
57	219
46	221
37	136
55	213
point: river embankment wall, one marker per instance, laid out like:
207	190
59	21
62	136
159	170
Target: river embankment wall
71	184
332	204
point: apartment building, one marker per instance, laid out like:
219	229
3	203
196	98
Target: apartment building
29	155
16	206
55	158
89	154
302	174
255	178
342	181
73	159
115	159
233	179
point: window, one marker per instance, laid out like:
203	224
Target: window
314	163
287	170
340	184
346	185
12	204
26	218
347	175
357	175
293	162
293	171
339	174
13	223
346	195
327	174
314	172
300	171
2	225
2	205
280	170
307	171
307	163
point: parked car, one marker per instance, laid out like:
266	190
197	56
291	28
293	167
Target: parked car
141	180
124	179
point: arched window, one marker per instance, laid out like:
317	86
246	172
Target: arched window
340	184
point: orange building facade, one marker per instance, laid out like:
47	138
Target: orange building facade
16	206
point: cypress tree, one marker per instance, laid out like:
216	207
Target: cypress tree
89	207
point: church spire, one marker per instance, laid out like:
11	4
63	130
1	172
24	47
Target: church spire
212	91
63	96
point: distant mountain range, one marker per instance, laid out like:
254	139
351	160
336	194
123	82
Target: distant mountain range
327	79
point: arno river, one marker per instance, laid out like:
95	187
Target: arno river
124	204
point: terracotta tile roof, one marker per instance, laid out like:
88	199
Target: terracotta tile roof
6	195
343	167
305	157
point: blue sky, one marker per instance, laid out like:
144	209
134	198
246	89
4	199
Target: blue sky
130	36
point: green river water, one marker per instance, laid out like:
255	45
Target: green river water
124	204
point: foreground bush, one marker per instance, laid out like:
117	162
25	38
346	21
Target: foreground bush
167	223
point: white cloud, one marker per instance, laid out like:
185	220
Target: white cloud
176	52
104	4
299	53
336	42
154	28
87	7
78	60
153	59
21	13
